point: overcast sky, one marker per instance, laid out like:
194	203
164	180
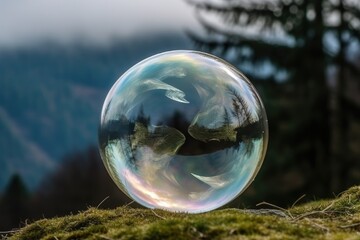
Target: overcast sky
25	22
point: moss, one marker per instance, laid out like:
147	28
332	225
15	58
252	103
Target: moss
337	218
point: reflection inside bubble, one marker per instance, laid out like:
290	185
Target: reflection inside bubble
183	131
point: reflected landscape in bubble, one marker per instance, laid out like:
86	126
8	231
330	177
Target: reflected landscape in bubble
183	131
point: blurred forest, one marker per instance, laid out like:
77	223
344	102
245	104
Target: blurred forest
79	183
312	93
303	57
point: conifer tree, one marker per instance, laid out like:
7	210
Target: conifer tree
304	41
14	206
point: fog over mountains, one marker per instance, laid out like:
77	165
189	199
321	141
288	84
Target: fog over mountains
51	97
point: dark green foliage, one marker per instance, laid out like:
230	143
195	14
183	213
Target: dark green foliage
310	120
14	205
81	181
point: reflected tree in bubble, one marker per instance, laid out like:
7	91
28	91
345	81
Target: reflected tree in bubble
183	131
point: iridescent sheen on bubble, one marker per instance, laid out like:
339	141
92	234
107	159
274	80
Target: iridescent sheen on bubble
183	131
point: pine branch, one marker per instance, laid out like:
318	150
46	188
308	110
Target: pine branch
261	51
353	69
354	32
260	48
354	10
239	14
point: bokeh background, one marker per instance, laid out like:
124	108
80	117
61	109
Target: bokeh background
59	58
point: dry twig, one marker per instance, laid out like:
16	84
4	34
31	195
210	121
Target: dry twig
286	212
157	215
297	200
102	201
351	225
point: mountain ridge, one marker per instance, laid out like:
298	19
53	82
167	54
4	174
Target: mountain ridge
51	98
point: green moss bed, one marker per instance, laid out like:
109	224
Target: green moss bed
337	218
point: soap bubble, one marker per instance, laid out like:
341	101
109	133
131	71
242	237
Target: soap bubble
183	131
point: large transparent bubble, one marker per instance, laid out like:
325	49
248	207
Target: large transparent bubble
183	131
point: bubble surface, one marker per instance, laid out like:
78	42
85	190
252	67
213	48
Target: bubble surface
183	131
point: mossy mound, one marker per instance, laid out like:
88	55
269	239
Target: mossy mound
338	218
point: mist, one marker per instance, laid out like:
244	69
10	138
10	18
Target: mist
25	23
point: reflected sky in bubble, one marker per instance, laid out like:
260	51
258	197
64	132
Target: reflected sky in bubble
183	131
